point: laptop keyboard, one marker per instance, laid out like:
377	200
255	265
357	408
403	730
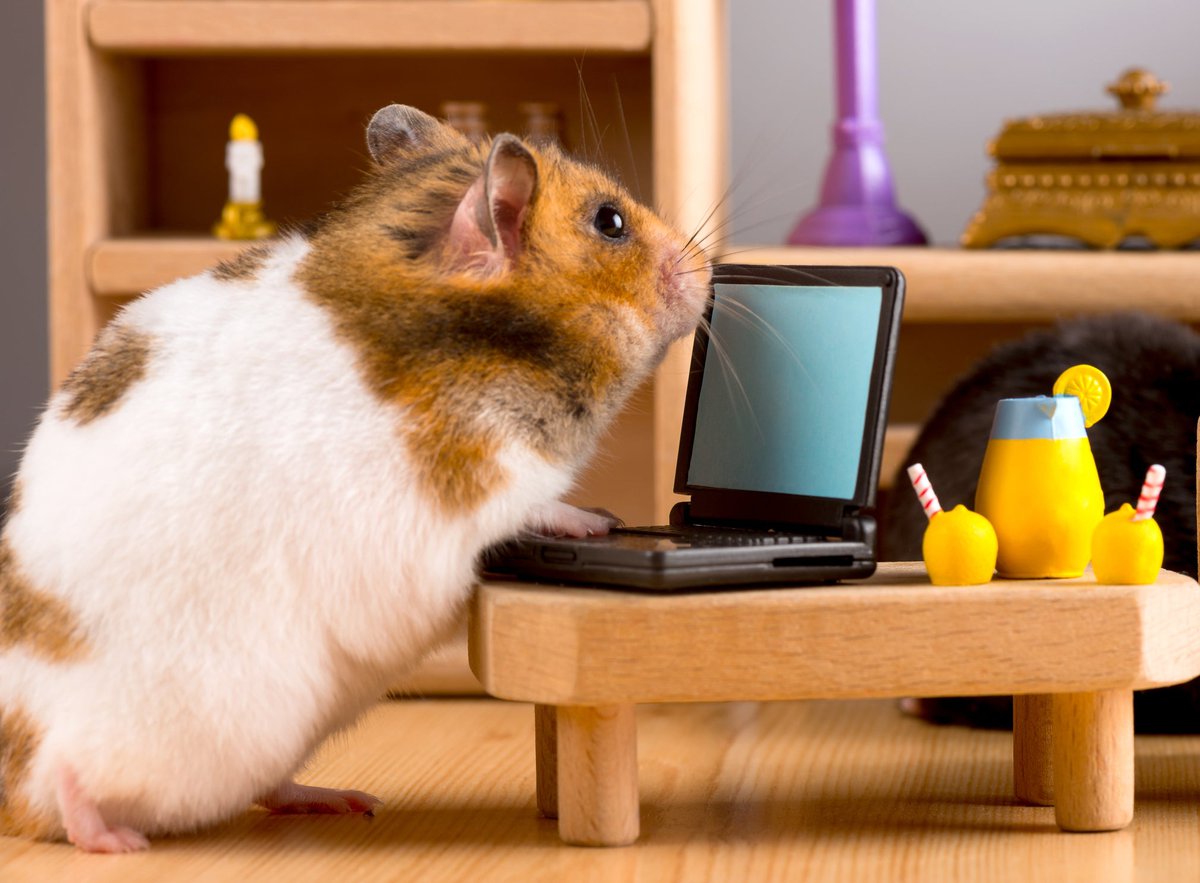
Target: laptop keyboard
697	535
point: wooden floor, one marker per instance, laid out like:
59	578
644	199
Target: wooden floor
816	791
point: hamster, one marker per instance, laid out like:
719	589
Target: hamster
263	493
1154	367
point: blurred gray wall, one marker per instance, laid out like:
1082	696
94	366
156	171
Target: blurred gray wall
23	333
950	73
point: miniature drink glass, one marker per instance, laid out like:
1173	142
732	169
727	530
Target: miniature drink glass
1039	488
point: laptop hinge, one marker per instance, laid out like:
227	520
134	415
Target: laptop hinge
852	525
679	515
860	528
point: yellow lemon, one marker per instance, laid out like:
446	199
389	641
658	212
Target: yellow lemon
959	548
1090	386
1126	552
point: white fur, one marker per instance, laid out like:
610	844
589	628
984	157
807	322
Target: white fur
247	550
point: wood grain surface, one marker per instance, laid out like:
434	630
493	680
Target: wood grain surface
228	26
1033	757
597	775
891	635
818	791
1093	760
1003	285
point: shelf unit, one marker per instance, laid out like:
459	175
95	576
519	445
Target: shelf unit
141	93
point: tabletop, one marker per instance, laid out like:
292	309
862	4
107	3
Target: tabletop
894	634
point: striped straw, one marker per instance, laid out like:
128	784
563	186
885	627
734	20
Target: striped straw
1151	488
920	483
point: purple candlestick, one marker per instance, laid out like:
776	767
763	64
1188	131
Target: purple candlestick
858	204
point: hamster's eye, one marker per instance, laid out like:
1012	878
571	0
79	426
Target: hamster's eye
609	222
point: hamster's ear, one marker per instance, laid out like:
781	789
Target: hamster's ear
399	129
486	231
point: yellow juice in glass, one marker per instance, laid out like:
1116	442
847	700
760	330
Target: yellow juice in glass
1039	488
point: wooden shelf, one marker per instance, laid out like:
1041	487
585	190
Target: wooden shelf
123	268
944	285
225	27
990	286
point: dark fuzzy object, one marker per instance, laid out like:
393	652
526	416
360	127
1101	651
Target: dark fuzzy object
1154	367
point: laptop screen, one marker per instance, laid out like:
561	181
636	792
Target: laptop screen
788	389
783	400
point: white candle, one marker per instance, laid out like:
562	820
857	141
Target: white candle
244	161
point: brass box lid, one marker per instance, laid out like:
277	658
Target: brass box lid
1135	132
1098	179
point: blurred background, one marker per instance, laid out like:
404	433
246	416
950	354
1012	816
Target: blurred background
23	333
950	74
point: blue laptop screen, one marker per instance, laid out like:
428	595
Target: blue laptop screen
783	398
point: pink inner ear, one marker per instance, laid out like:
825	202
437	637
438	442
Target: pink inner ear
508	218
511	179
485	233
468	246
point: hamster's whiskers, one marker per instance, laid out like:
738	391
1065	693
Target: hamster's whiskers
692	240
729	373
740	312
637	187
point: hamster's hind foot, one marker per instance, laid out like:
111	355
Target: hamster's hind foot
85	826
291	798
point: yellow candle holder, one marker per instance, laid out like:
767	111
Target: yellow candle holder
242	217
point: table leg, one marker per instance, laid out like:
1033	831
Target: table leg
597	775
1093	760
545	723
1033	768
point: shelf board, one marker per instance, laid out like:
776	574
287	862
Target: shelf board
1008	285
122	268
225	27
944	285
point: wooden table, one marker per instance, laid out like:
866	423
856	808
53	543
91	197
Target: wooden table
1071	652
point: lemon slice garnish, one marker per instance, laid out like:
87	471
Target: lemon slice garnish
1090	386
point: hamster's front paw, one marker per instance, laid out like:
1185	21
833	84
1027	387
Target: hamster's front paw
559	519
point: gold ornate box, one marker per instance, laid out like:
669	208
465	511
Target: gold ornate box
1096	177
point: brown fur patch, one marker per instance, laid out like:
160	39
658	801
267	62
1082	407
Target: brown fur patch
537	352
244	267
117	361
34	620
457	459
19	741
450	358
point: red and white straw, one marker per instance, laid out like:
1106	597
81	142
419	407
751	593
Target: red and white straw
920	483
1151	488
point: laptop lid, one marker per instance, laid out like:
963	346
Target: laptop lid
787	394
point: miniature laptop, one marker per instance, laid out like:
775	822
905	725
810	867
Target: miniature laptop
780	447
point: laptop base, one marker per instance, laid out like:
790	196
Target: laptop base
646	558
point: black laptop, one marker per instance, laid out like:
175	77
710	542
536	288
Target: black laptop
780	449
